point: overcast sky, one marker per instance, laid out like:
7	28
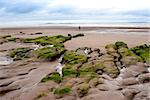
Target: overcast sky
102	10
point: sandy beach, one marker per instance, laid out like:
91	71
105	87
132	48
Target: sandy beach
94	36
21	79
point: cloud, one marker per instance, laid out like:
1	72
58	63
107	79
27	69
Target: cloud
104	10
19	7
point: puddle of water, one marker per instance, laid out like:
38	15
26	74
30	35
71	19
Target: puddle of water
39	46
59	68
149	69
5	60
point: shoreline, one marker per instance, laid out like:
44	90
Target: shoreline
93	26
94	36
93	29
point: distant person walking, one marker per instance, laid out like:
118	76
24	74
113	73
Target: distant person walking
79	27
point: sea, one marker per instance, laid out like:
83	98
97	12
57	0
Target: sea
73	23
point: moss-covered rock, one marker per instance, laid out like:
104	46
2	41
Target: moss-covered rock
111	48
95	81
47	40
87	67
20	53
143	51
71	57
111	69
14	39
128	57
98	65
131	60
78	35
69	70
125	52
82	89
49	53
120	44
70	81
106	57
3	41
62	91
87	76
5	36
43	94
53	76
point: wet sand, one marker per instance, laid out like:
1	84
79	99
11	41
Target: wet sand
94	36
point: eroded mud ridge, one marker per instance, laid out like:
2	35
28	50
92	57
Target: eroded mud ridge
45	70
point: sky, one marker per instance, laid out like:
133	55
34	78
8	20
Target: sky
83	10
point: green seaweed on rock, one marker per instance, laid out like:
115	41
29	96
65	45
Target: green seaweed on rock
82	89
143	51
5	36
49	53
95	81
47	40
77	35
62	91
69	70
120	44
20	53
53	76
71	57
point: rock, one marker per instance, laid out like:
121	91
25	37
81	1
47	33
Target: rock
129	81
142	96
95	54
144	78
71	57
103	87
9	88
93	91
2	41
107	77
77	35
82	89
95	81
134	71
129	60
130	93
62	91
111	48
100	72
70	82
20	53
67	97
107	57
143	52
84	51
118	63
120	44
38	33
111	69
105	95
49	53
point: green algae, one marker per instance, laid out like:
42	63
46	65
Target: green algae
53	76
20	53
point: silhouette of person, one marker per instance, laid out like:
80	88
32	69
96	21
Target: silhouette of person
79	27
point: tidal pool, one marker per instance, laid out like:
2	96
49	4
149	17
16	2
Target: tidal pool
4	60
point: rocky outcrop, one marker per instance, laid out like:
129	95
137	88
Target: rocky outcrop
83	74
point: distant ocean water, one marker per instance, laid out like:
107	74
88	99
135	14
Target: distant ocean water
74	23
